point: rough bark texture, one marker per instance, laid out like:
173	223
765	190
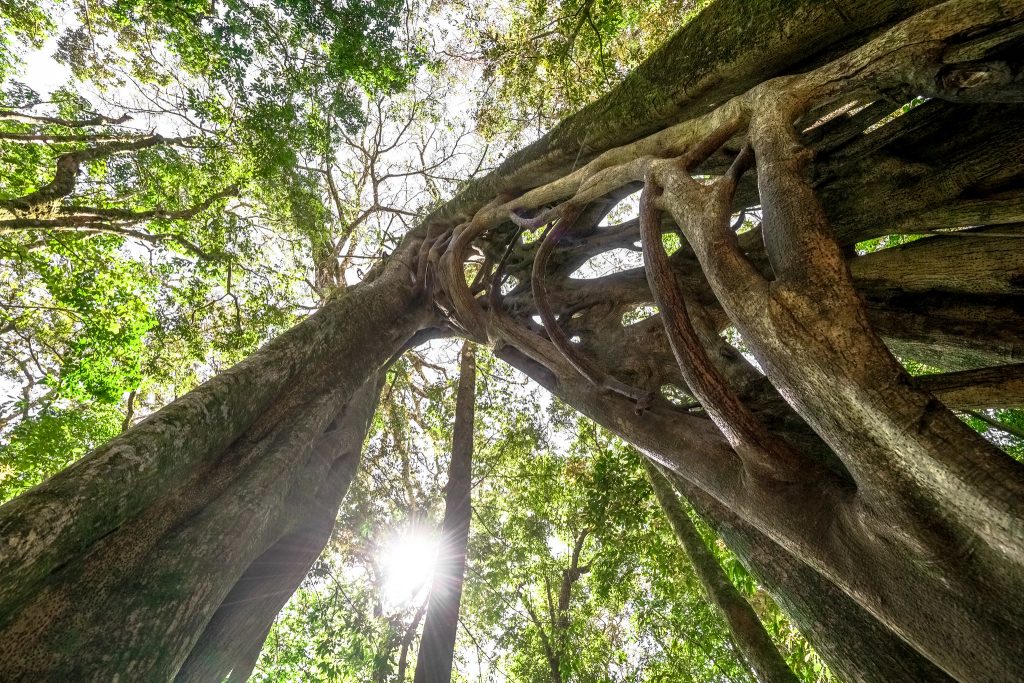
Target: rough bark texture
232	639
894	485
747	632
437	645
115	566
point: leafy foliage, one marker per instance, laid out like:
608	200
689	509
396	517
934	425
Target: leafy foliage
180	238
546	60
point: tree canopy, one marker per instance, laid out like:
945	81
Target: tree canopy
763	258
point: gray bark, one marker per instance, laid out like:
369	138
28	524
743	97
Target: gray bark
145	537
241	623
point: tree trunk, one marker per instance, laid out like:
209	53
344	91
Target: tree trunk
909	491
747	632
437	645
234	635
116	566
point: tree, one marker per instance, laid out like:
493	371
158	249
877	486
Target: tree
836	461
574	574
156	267
437	649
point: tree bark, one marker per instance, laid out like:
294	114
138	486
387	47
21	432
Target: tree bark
129	553
241	623
437	645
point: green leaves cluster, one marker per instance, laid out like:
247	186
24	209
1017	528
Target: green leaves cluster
549	59
181	240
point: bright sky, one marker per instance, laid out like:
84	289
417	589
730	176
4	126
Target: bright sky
408	561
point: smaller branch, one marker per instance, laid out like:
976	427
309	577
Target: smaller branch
558	337
410	635
53	138
1012	431
996	387
98	120
103	228
549	652
66	174
758	448
129	411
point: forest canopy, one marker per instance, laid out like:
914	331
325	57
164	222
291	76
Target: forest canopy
505	351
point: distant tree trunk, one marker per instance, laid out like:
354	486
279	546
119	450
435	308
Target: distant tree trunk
437	645
856	647
133	553
746	629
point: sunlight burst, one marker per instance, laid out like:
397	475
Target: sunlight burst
408	563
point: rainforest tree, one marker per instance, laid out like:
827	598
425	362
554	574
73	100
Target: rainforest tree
776	147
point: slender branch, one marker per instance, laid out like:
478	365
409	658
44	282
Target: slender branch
1009	429
66	174
410	635
56	138
87	217
583	365
760	450
98	120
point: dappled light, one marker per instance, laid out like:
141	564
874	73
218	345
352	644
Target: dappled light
608	263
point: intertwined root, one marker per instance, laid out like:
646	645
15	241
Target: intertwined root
884	454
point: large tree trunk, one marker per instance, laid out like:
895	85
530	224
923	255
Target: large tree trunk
911	513
116	566
747	632
231	642
437	645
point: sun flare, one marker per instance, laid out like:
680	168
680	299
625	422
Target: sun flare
408	564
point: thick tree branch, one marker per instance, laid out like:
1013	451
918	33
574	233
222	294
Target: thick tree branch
40	202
